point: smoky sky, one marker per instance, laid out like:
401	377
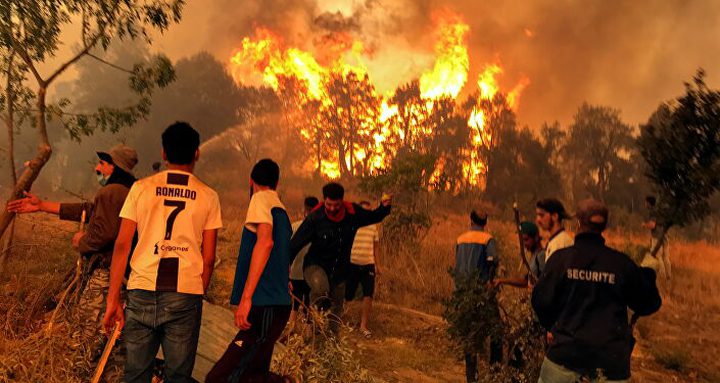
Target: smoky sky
629	55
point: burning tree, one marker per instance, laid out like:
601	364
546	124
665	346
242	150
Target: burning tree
353	131
30	30
350	121
681	147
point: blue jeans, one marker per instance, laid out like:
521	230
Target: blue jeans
153	319
551	372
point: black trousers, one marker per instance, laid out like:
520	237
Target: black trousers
247	358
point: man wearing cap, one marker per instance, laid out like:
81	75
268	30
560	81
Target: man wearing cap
475	253
549	215
583	297
114	174
533	244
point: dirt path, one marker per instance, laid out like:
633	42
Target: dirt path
407	346
412	346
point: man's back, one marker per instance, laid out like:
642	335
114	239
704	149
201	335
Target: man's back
272	288
172	209
583	297
475	253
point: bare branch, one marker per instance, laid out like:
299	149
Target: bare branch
109	63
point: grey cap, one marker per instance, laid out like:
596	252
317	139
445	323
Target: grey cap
122	156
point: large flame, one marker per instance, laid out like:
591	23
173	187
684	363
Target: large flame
266	57
450	72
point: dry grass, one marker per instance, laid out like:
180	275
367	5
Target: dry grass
414	275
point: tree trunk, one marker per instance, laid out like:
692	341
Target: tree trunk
31	172
660	242
10	122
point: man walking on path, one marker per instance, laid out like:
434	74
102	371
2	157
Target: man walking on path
261	284
476	254
300	288
114	174
177	218
364	266
655	228
330	230
583	298
550	214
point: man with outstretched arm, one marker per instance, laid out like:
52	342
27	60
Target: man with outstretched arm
330	230
583	299
261	284
114	172
177	218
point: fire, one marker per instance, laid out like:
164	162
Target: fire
450	72
371	128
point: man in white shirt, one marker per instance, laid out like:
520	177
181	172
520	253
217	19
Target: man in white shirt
363	269
549	215
177	218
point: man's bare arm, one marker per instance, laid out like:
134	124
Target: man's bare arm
260	256
208	253
258	260
31	204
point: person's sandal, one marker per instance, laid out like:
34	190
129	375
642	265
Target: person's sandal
366	333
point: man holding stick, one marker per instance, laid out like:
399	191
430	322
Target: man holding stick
96	241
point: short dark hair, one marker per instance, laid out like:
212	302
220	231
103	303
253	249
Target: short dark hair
311	202
651	200
333	190
180	142
266	173
592	216
478	218
553	206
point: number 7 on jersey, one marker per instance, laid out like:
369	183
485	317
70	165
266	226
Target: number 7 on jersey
179	206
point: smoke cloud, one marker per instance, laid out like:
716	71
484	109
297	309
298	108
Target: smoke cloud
629	55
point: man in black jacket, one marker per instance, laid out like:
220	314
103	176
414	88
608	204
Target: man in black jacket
330	230
582	299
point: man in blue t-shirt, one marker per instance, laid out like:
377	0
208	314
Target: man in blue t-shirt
261	284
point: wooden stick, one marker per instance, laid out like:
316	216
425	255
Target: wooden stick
83	216
106	354
75	282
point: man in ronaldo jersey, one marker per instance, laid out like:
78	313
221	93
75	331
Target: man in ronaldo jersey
177	217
